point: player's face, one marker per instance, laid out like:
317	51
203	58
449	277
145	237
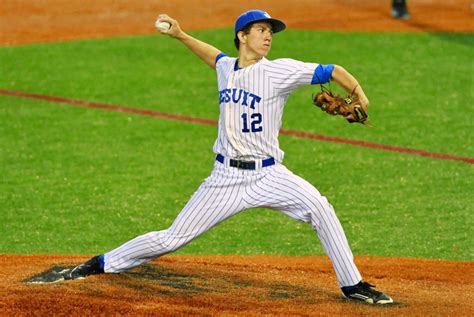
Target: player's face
259	39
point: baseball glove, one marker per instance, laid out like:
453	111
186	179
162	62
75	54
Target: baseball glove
334	104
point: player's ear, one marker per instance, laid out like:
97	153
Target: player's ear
242	36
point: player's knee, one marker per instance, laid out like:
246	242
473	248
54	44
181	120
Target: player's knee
170	242
169	246
321	211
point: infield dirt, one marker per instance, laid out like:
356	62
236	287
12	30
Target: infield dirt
236	286
230	285
32	21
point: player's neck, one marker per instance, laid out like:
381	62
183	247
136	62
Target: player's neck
248	59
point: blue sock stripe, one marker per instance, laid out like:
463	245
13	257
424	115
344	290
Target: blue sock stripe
101	261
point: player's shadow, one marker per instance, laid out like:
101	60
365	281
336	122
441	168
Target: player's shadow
152	278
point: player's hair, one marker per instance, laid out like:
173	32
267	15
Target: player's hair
246	30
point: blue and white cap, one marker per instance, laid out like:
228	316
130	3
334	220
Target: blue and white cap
252	16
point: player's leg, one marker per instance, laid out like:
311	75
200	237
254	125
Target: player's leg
282	190
218	198
400	10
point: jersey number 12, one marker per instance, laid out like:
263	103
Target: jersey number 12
255	122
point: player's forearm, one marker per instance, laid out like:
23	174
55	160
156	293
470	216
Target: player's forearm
204	51
349	83
344	79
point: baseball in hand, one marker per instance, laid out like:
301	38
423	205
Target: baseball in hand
162	25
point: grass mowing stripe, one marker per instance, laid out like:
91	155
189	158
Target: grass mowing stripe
298	134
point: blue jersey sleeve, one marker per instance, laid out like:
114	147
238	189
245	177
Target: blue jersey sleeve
322	74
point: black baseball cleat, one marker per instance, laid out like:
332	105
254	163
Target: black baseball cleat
89	267
400	13
363	291
53	275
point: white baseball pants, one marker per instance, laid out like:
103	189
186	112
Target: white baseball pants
226	192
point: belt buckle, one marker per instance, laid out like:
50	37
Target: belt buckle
238	163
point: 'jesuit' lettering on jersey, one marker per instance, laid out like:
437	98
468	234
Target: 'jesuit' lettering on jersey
238	95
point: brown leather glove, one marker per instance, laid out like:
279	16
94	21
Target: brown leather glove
334	104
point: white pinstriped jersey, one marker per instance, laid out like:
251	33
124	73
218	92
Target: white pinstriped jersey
251	104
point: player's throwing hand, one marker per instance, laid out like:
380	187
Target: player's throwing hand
166	25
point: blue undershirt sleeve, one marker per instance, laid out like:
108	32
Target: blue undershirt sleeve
218	57
322	74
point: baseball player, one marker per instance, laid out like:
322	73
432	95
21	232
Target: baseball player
400	10
248	170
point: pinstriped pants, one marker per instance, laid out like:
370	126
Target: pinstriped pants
226	192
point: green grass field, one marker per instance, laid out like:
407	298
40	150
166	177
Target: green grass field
82	181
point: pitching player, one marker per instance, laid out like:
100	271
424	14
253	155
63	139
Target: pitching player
248	170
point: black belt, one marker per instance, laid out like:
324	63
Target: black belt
246	165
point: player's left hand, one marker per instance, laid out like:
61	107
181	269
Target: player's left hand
352	108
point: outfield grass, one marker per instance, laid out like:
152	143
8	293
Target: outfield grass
80	180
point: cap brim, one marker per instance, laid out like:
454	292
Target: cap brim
277	25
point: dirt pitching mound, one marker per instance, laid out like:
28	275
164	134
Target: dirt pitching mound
236	285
